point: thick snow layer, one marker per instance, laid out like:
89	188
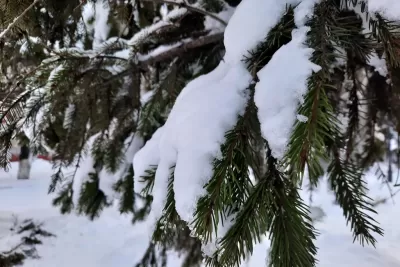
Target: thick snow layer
251	22
208	107
283	82
388	8
112	240
194	132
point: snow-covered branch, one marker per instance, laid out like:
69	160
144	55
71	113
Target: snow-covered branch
179	49
12	24
191	8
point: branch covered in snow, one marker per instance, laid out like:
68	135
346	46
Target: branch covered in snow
191	8
12	24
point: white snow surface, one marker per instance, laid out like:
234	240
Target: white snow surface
387	8
283	81
101	25
379	64
112	240
250	24
192	136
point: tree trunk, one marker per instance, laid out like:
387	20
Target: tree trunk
24	163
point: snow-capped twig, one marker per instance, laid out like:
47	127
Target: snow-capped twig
191	8
182	48
12	24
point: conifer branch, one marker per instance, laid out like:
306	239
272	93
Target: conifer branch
307	143
14	22
230	185
191	8
351	193
182	49
274	206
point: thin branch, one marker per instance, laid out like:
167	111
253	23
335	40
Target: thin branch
172	53
191	8
12	24
184	47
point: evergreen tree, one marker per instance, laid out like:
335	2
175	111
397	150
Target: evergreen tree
206	131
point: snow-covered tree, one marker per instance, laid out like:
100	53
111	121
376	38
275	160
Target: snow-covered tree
207	128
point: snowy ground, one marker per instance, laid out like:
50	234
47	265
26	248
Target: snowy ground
113	241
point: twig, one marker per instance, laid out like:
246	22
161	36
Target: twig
184	47
191	8
12	24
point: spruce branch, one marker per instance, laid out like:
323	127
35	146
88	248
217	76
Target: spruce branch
182	49
91	199
290	216
16	19
387	34
307	143
64	199
191	8
274	206
229	187
351	194
125	187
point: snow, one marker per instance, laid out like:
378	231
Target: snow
379	64
283	82
250	23
107	180
147	31
25	46
209	106
81	174
216	26
335	242
387	8
101	25
112	240
159	50
304	11
193	134
88	15
145	159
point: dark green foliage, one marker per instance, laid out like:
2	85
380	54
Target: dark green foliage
273	205
279	35
307	143
92	200
290	222
14	259
125	188
351	194
64	199
229	187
